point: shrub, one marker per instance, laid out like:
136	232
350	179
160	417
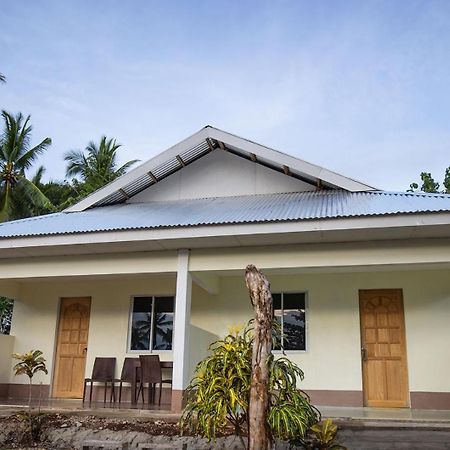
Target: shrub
218	395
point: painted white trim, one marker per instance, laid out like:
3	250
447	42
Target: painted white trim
309	170
181	327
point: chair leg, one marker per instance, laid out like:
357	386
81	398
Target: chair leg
104	393
120	392
112	395
160	392
90	393
84	390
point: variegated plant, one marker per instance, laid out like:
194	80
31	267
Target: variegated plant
218	395
29	364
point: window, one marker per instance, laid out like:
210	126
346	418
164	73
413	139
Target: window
152	323
289	310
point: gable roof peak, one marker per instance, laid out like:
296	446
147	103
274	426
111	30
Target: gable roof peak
204	141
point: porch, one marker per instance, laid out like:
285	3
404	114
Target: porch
210	296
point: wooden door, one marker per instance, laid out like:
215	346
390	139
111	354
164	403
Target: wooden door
383	348
71	347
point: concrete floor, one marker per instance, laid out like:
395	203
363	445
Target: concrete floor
387	414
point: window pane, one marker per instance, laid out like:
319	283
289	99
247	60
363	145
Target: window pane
163	327
141	323
277	313
294	323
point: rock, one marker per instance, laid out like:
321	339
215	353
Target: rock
64	425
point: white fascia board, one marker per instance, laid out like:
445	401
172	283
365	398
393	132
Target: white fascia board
231	231
298	164
124	180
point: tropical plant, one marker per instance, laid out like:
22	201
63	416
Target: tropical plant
6	308
322	436
95	166
57	192
29	364
19	196
430	185
218	395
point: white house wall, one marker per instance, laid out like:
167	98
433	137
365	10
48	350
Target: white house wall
332	360
220	174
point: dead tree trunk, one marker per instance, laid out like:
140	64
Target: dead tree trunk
259	437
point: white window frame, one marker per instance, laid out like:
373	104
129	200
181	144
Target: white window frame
282	350
130	323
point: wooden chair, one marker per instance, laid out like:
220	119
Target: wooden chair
102	372
129	372
151	375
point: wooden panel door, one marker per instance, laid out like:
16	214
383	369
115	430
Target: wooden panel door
385	375
71	347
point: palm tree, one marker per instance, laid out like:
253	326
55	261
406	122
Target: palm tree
18	195
96	165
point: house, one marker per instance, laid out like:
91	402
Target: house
154	262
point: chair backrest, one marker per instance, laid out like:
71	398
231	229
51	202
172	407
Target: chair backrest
150	368
104	369
129	369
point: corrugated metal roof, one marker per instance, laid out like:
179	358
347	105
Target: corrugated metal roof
229	210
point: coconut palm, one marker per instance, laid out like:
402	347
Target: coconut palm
96	165
18	195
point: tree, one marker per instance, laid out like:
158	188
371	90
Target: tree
59	193
2	78
18	195
259	437
430	185
95	166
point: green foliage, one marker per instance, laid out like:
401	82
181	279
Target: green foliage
290	413
19	196
29	363
218	395
95	166
430	185
6	308
219	392
322	436
447	180
59	193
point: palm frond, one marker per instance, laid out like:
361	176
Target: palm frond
27	159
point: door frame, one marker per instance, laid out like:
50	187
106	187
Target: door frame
55	351
405	352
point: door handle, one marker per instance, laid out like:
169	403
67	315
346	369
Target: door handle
363	353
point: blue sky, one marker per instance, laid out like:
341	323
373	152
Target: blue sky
362	88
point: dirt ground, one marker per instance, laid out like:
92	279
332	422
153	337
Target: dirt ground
68	432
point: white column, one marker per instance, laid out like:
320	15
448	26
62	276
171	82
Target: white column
180	378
